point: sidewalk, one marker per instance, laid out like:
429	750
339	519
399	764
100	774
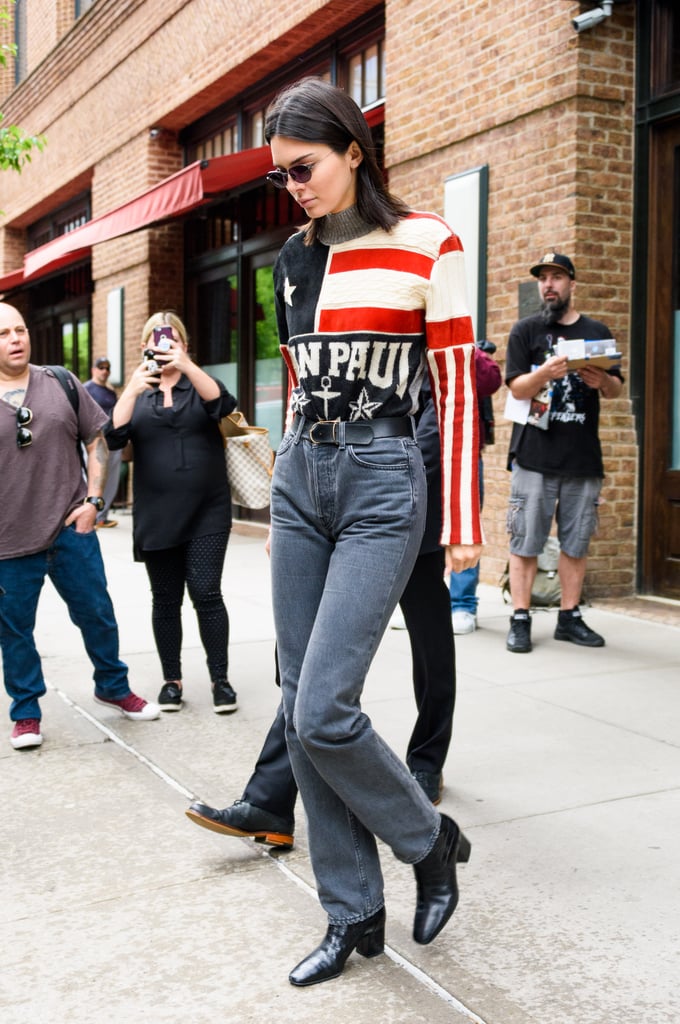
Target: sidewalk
564	772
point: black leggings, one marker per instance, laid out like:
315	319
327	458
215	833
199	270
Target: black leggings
198	564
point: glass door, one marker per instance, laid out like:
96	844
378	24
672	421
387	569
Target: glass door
269	377
215	343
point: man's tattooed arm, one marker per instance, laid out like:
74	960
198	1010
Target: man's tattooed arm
97	463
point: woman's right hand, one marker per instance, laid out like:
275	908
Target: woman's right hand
142	379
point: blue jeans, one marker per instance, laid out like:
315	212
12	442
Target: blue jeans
346	529
463	585
74	564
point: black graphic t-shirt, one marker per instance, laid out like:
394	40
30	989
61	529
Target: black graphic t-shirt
570	446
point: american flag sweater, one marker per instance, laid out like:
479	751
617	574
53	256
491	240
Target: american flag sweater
362	320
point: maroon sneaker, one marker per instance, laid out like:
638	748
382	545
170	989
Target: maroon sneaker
26	734
131	706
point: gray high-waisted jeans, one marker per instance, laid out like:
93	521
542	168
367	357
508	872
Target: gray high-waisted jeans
347	523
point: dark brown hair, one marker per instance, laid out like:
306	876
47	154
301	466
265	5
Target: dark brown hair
315	111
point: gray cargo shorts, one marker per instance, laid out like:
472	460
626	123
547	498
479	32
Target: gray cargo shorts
535	498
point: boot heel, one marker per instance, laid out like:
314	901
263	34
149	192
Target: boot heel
372	943
463	849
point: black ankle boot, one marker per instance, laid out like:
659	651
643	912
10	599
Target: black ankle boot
328	960
437	888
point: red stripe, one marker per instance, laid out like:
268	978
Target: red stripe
381	259
453	430
390	321
292	373
447	333
451	244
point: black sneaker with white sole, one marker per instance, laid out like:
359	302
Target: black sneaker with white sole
224	699
170	697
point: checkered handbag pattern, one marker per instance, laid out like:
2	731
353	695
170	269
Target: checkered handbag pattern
250	461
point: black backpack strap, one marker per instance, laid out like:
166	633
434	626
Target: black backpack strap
71	392
66	381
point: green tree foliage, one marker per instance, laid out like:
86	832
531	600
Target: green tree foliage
15	144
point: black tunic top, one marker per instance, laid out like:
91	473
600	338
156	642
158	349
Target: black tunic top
180	486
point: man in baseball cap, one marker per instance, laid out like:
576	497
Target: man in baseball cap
555	459
558	261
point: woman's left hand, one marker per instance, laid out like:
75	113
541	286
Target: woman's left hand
175	358
462	556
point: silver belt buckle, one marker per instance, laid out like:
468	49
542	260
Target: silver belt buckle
319	423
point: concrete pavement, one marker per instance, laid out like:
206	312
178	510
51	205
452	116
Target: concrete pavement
564	772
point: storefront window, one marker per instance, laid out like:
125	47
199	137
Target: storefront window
216	347
269	395
366	75
665	67
75	346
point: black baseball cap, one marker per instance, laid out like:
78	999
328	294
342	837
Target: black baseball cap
557	260
102	362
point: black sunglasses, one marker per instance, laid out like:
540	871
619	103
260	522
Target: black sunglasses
24	436
299	173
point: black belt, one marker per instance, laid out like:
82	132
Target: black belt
354	432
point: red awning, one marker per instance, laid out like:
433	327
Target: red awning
11	280
189	188
179	194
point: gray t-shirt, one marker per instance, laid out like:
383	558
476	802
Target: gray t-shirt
42	483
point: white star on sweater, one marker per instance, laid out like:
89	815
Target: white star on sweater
288	290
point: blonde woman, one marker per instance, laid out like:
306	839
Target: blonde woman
170	411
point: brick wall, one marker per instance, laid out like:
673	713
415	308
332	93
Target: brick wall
551	113
147	264
127	67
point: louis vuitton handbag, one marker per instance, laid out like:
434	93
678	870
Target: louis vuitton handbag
250	460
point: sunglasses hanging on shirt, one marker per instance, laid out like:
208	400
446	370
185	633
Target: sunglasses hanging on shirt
24	436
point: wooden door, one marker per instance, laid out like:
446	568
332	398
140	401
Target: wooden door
661	454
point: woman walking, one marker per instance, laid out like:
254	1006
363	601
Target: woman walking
370	297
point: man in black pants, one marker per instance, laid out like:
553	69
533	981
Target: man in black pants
265	812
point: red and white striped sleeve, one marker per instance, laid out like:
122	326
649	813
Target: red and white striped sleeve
450	353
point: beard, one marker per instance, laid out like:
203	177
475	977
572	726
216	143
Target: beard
553	311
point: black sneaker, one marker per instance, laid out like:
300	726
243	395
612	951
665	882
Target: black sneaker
224	699
519	637
431	784
570	626
170	697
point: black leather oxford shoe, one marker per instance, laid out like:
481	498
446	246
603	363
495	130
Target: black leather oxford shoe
245	820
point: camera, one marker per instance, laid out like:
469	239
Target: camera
149	361
162	337
486	346
589	19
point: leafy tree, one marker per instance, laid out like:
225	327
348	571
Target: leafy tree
15	144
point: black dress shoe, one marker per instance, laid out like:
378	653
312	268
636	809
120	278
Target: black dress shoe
431	784
246	820
437	887
328	960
